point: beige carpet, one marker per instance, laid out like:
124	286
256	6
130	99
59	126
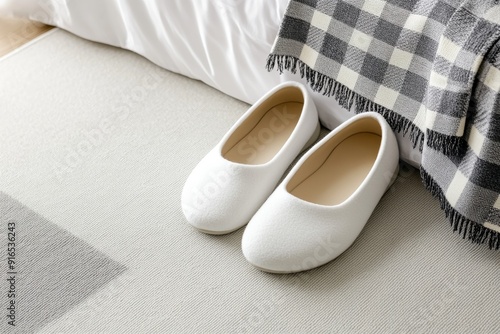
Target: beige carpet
91	170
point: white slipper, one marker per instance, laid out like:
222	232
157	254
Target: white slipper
320	208
232	181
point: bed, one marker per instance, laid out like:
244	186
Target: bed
222	43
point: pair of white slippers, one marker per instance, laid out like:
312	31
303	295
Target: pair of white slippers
321	206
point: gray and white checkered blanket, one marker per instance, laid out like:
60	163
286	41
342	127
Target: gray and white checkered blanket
432	68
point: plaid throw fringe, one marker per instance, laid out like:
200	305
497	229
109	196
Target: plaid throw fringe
432	69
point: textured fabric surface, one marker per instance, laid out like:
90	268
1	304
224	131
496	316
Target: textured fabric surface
120	201
432	68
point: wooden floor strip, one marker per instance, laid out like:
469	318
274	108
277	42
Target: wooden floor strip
16	32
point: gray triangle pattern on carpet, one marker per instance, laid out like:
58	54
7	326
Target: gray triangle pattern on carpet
52	271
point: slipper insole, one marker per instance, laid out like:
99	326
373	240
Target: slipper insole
268	136
343	171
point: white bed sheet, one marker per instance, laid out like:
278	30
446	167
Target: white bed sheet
223	43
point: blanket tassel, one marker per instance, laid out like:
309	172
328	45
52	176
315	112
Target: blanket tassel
468	229
351	100
473	231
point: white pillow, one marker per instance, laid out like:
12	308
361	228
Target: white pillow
223	43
